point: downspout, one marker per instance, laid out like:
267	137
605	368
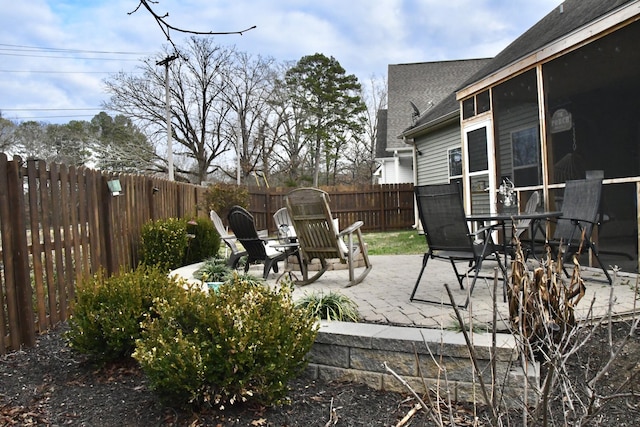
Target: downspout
416	220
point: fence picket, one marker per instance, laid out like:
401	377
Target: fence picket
6	234
36	244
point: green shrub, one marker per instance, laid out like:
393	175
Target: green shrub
214	270
107	311
204	243
245	341
220	197
164	243
331	306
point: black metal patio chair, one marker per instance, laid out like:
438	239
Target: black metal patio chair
448	236
244	228
580	214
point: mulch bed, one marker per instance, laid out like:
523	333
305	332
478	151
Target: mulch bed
51	385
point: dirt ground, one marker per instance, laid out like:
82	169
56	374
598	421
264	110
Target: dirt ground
50	385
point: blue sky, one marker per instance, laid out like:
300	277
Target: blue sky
365	36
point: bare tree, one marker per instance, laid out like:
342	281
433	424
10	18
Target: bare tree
374	95
120	146
287	129
7	127
199	117
247	92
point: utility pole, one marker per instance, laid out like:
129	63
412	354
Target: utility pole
166	62
238	146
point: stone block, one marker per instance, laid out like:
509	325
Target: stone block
331	355
371	379
373	360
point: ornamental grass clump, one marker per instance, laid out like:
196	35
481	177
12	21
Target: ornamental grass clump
331	306
244	341
107	311
214	269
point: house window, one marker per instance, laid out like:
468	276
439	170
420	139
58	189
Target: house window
455	162
526	157
477	146
468	108
480	103
483	102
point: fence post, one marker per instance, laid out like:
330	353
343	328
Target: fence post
381	195
24	292
107	230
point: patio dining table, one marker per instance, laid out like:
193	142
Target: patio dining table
503	218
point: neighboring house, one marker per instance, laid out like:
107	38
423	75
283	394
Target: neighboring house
413	90
561	102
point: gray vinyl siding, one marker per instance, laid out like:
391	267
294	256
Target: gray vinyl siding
517	118
433	164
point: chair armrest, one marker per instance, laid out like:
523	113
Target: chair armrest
350	229
484	229
268	239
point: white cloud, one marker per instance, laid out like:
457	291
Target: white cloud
364	36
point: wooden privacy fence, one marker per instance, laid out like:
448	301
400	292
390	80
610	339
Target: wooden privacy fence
61	224
381	207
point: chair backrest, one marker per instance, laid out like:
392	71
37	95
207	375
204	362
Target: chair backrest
217	223
282	219
581	202
532	203
244	228
443	218
311	217
531	207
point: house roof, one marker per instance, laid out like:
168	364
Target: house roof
561	21
448	109
381	134
425	84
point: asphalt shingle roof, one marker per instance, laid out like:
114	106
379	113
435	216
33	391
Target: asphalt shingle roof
425	84
562	20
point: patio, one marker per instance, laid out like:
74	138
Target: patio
383	297
393	329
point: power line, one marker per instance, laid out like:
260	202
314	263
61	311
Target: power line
67	72
68	57
50	117
56	49
51	109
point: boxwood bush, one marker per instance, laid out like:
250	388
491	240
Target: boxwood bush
107	311
204	241
163	243
242	342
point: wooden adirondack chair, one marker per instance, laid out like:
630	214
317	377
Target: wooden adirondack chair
229	239
320	238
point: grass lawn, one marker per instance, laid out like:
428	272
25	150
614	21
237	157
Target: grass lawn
395	242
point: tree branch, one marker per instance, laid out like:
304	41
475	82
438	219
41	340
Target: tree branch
165	26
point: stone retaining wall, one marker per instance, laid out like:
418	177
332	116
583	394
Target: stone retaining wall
357	352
